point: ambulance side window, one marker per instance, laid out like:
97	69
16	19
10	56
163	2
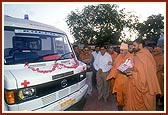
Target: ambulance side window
8	42
62	46
59	45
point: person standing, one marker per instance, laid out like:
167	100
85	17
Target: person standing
119	78
103	66
87	58
112	53
159	59
95	53
113	56
77	50
130	47
143	84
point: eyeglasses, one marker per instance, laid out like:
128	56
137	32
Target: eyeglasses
102	49
86	50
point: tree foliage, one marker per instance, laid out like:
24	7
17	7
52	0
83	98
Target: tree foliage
151	29
100	24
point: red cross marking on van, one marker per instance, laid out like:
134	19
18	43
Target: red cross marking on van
25	83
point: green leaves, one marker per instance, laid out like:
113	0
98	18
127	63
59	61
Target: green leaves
106	24
151	28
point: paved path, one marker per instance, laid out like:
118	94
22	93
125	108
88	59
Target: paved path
92	103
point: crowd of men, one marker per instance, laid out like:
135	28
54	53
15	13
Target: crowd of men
135	75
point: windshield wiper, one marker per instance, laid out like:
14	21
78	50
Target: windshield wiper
40	57
63	55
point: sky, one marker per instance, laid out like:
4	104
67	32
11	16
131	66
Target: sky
55	13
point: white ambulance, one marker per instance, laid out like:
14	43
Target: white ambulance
41	72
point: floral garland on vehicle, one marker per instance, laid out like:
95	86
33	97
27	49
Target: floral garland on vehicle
56	65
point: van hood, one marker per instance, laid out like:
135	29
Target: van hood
33	74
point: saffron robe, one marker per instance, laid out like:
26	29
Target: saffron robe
143	85
159	59
114	55
119	85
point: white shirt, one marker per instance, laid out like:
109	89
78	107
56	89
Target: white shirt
95	54
101	62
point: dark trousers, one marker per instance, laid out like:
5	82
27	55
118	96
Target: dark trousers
94	82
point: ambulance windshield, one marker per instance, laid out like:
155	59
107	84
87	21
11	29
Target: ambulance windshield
35	46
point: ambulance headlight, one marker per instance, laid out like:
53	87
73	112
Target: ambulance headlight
27	93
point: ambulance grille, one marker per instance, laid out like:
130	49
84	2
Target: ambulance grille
63	93
58	76
57	89
49	99
74	88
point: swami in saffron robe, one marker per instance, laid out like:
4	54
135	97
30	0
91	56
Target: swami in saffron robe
119	83
143	85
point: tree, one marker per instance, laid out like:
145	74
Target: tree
151	29
100	24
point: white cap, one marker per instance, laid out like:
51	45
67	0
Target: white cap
124	46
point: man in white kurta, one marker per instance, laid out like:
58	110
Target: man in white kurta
103	65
